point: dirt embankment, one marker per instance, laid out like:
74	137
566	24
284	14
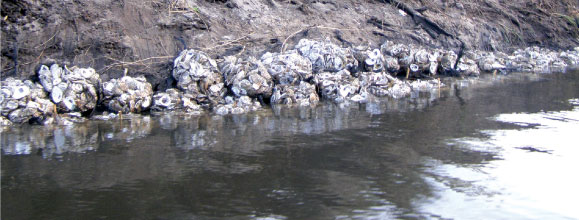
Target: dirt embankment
145	35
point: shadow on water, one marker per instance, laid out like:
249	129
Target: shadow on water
373	160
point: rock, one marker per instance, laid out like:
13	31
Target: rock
327	57
303	94
71	90
198	75
247	78
338	87
289	68
127	94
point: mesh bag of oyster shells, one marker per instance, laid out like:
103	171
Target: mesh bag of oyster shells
467	67
173	99
370	60
22	101
197	74
127	94
447	61
73	89
237	105
403	53
326	56
288	67
489	62
412	59
426	61
570	57
382	84
339	87
541	60
303	94
247	77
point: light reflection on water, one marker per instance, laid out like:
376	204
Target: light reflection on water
431	156
533	179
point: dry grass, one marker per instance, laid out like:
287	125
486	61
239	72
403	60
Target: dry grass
146	63
182	6
511	36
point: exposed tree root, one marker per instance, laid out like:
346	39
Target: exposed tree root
426	23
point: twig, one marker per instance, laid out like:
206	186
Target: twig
240	52
164	48
137	62
225	43
312	27
45	42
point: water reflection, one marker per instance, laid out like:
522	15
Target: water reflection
77	138
50	140
207	132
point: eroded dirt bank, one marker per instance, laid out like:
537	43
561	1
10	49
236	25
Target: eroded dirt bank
145	36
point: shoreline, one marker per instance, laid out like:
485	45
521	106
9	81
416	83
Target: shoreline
201	130
311	72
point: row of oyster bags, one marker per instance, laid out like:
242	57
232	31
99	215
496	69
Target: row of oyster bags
292	77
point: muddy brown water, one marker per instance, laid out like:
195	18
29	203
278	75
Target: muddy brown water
500	147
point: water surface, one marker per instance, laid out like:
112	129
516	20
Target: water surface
501	147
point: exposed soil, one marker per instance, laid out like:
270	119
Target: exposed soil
145	35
